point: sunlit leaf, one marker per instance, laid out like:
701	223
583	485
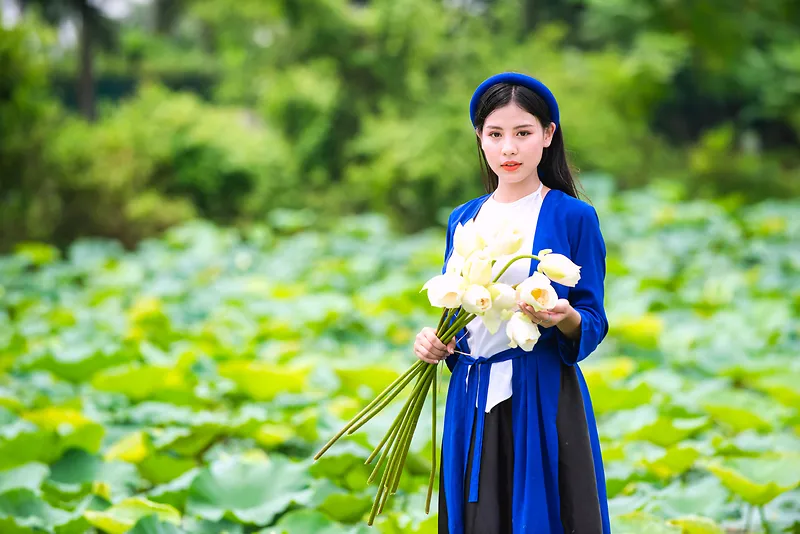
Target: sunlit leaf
122	516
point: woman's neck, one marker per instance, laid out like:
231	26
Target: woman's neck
507	193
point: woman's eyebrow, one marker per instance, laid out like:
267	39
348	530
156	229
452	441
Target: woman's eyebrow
493	127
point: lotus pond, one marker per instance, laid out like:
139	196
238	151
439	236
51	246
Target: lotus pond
186	385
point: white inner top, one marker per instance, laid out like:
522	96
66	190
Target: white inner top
525	213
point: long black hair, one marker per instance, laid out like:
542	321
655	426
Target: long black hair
554	171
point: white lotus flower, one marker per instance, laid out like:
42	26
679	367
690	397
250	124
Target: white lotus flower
478	268
504	296
492	320
467	239
558	268
522	332
456	263
503	238
537	291
476	299
445	290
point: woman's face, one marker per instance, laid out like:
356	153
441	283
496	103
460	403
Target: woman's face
513	140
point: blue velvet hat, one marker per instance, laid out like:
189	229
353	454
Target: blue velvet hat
518	79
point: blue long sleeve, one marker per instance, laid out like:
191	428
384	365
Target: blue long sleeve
588	250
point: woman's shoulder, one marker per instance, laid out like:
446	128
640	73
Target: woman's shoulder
573	208
461	209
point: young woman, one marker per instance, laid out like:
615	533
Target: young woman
520	452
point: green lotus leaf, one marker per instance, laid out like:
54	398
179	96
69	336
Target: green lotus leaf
21	510
271	435
74	362
667	431
607	371
618	475
340	460
174	492
675	461
21	442
306	423
235	488
204	526
640	522
310	521
696	525
617	425
160	468
151	524
71	428
79	472
8	399
262	381
29	476
340	504
743	410
37	253
784	387
641	330
122	516
705	496
758	480
132	448
197	439
146	382
373	377
606	399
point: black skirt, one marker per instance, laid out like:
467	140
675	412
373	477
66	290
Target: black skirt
491	514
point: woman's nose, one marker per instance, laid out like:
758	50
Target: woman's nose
509	148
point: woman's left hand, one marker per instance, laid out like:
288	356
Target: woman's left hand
547	318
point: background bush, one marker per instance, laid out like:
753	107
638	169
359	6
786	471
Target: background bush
343	107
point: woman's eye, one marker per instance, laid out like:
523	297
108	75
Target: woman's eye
526	133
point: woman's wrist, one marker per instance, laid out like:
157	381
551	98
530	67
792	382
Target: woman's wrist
570	326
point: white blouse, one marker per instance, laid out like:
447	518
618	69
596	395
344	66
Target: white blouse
525	213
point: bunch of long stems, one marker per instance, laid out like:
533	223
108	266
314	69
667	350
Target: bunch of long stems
397	441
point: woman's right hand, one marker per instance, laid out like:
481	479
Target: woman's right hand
430	349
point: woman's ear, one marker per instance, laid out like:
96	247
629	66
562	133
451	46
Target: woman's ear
549	132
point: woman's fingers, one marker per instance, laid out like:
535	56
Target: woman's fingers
435	345
429	348
540	318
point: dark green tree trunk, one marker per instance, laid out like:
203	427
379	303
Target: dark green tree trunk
86	79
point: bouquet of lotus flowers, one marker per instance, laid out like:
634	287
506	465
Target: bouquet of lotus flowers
465	291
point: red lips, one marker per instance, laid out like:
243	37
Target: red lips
511	165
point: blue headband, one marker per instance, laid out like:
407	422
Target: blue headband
517	79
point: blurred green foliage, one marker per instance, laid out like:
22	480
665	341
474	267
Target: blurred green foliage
346	106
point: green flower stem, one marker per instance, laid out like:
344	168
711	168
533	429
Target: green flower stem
380	497
444	325
456	326
396	454
443	319
433	445
414	420
512	260
399	421
388	398
414	369
390	435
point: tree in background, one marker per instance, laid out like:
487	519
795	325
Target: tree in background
94	29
